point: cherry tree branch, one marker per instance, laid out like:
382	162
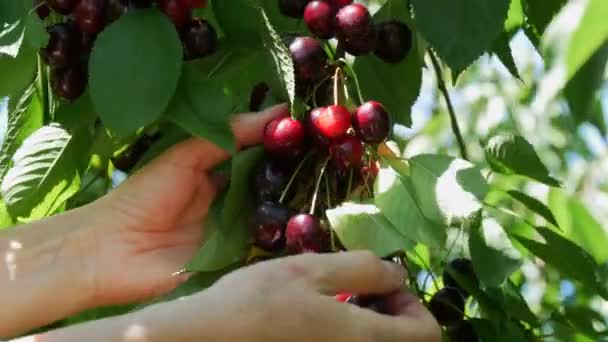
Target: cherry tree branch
444	90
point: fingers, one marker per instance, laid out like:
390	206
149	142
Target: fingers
356	272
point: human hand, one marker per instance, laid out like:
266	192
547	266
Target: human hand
291	299
150	226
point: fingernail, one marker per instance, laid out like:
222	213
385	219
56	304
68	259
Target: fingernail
397	271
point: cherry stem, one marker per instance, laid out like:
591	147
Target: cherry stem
444	90
313	204
293	177
350	184
357	85
336	86
327	190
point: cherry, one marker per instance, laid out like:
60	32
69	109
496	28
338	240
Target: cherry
464	268
141	3
116	8
355	29
309	58
258	96
346	153
387	304
270	179
343	297
462	331
42	9
305	235
371	122
271	221
63	45
284	137
90	15
87	40
200	39
393	41
196	3
64	7
292	8
340	3
69	83
331	122
176	11
319	16
447	305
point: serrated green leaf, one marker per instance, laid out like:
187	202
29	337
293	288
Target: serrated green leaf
283	62
395	202
591	34
228	222
565	256
581	90
494	257
45	172
17	73
446	189
396	86
473	26
535	205
512	154
540	13
362	226
132	83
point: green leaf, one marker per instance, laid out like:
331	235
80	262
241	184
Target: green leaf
578	224
494	257
397	86
36	35
447	190
17	73
282	60
228	223
362	226
590	35
535	205
512	154
515	18
516	306
582	88
238	20
460	31
6	221
565	256
21	121
134	70
502	50
395	202
540	13
45	172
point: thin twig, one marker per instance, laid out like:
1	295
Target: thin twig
444	90
293	177
313	204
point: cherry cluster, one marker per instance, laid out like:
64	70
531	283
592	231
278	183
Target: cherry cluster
447	305
75	25
353	26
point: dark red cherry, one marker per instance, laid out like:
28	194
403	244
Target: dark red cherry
116	9
372	123
463	331
320	17
42	9
258	96
87	41
309	58
271	222
64	7
331	122
292	8
141	3
270	179
304	234
196	3
355	29
464	269
284	137
200	39
179	13
447	305
393	41
392	304
90	15
63	46
69	83
346	153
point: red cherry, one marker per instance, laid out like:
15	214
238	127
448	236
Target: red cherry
343	297
64	7
42	9
305	235
309	58
371	122
69	83
346	153
90	15
176	11
340	3
319	16
284	137
331	122
355	29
